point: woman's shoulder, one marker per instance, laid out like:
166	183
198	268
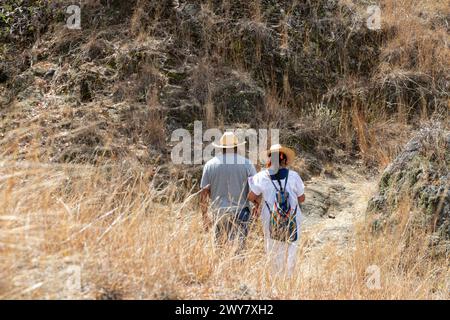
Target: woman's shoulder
262	177
262	174
259	180
294	175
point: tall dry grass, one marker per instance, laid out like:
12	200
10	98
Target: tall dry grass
420	40
129	240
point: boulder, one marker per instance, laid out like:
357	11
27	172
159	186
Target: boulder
420	174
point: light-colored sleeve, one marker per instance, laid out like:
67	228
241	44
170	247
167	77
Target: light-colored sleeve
299	187
251	171
254	183
205	177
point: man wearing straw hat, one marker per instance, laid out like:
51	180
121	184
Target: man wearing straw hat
224	182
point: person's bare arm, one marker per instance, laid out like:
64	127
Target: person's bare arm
256	200
301	199
204	199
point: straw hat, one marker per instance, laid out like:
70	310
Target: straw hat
228	140
290	154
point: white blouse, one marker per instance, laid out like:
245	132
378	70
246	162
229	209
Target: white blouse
261	183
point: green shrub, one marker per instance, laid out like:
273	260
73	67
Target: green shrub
21	20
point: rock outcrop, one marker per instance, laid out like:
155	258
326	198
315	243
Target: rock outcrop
421	175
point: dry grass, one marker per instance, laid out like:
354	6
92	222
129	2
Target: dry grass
417	35
132	241
154	127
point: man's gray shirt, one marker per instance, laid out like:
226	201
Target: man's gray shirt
227	175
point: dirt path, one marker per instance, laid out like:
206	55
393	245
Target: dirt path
335	204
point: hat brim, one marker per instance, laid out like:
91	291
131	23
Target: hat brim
290	154
228	147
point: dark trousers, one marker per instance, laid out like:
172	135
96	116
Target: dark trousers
230	226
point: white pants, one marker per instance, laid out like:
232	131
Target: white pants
282	256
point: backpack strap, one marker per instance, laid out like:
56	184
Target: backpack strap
285	182
270	178
268	207
279	182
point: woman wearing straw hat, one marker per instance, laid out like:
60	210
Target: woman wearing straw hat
279	191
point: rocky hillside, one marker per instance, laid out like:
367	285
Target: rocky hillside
134	72
420	178
92	207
